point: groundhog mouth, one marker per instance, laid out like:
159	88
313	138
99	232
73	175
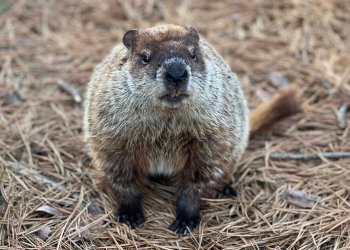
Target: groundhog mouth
174	98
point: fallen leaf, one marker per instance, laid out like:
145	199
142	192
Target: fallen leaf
86	230
15	98
278	79
341	115
45	232
49	210
70	89
263	95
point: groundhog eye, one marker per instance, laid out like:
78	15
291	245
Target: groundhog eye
145	58
193	54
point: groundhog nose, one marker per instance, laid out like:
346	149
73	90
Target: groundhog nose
176	73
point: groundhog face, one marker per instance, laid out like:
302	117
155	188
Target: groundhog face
166	63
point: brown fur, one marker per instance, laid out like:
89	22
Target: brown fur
132	134
284	104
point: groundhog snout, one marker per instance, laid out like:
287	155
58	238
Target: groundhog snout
176	77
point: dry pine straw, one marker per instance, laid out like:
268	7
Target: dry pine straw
49	195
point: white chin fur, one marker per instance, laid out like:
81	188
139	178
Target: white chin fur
173	105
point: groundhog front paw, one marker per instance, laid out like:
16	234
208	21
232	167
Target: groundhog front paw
226	191
130	214
184	223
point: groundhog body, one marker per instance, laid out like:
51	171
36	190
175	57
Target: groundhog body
165	103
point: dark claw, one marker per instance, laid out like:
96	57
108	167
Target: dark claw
174	225
226	191
183	224
130	214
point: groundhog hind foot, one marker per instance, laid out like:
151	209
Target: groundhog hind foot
225	192
130	214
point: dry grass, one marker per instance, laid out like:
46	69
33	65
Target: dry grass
49	196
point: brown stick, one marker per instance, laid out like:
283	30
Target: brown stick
309	157
35	176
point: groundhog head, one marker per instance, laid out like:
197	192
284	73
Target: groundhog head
167	60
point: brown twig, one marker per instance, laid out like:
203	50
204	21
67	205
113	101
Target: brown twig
309	157
35	176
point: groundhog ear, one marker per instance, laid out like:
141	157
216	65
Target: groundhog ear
129	38
194	33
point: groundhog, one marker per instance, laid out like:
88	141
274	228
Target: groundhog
165	103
